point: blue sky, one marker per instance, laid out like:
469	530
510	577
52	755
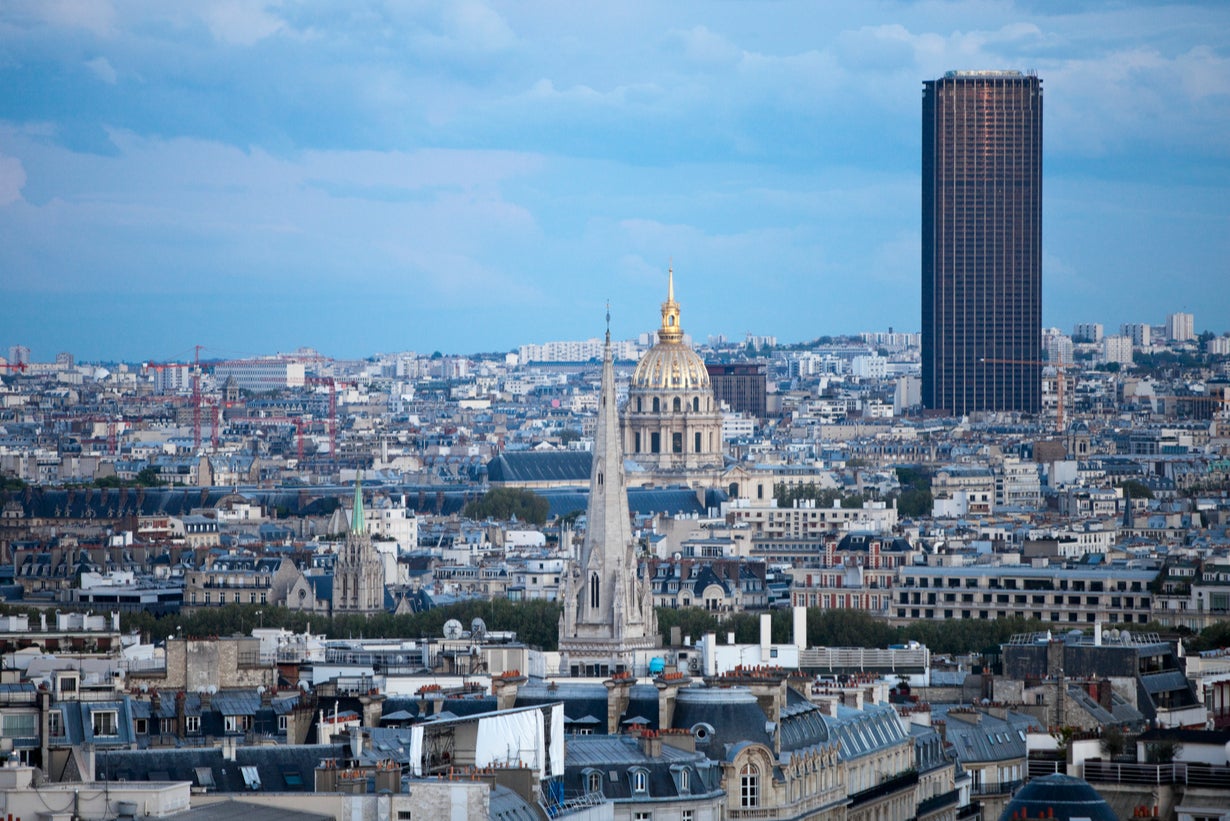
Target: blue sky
468	176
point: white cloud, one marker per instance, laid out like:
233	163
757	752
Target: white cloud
97	16
12	179
240	22
102	69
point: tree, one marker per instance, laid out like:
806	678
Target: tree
503	503
1164	751
148	477
914	503
1133	489
1113	743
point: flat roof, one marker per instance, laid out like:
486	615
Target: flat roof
1100	574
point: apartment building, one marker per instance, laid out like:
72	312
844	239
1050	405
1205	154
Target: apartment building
1067	597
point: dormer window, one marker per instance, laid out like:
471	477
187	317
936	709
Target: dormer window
640	781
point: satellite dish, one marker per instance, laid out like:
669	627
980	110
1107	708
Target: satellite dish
452	629
478	629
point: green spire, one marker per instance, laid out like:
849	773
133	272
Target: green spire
356	519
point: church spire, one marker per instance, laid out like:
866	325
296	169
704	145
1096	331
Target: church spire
357	524
670	330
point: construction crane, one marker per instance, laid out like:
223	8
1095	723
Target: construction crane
20	367
1059	366
196	399
332	383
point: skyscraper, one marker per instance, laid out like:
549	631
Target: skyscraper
982	242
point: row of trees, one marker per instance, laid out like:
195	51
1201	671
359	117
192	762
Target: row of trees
536	623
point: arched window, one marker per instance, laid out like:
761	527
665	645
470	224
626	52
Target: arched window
656	408
638	404
593	782
749	786
640	781
593	590
676	407
696	404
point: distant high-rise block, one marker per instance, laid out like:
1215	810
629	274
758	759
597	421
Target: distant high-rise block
741	386
982	242
1181	327
19	355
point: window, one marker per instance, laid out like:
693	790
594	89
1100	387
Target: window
20	725
55	723
686	815
593	782
238	724
404	815
141	726
104	722
192	724
282	723
642	816
685	780
640	781
166	726
749	786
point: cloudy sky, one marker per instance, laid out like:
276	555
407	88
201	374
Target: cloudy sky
468	176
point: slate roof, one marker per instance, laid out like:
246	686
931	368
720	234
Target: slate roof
534	466
281	768
989	738
728	715
620	756
863	732
1062	797
229	810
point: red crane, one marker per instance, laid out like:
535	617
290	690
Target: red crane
196	399
14	366
332	383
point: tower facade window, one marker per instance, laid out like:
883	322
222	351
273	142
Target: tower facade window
749	786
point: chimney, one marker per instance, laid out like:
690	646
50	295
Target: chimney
180	728
766	636
651	743
505	687
618	693
800	626
356	742
207	699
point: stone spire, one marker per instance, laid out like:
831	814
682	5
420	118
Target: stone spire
608	613
357	525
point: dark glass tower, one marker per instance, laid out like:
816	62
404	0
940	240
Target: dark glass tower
982	242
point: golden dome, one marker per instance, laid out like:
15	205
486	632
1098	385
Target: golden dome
671	364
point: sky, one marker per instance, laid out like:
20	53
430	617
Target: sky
365	177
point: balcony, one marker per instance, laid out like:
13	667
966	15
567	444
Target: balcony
1193	775
996	787
905	780
935	802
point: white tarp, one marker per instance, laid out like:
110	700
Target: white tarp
416	750
557	739
511	738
